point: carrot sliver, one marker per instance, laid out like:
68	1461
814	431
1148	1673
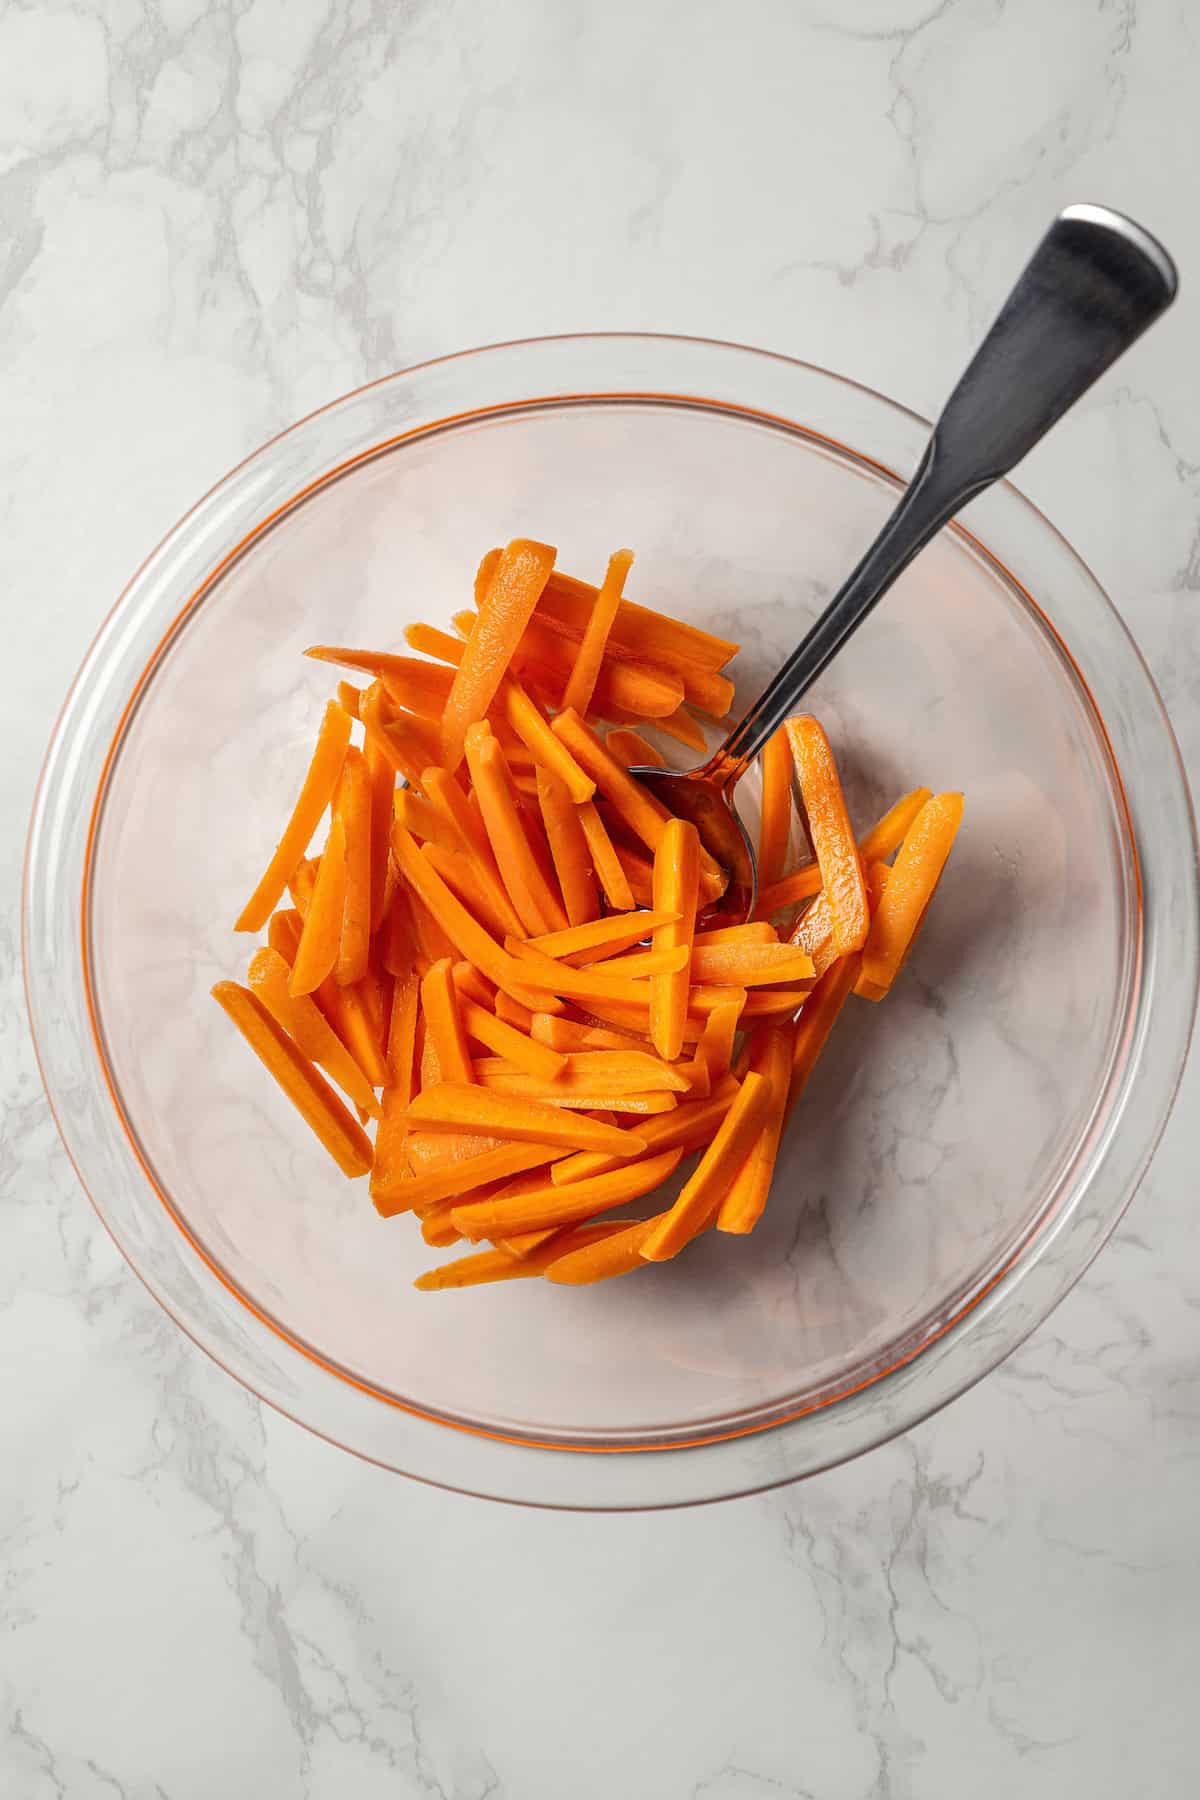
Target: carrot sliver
746	1197
751	965
303	1020
318	947
676	884
536	905
910	885
632	750
621	979
513	590
606	859
486	1266
884	837
405	742
423	819
534	1058
687	1128
457	1180
579	1200
706	1187
612	1073
308	1091
381	779
352	805
283	934
566	1035
576	1095
430	641
402	1036
776	824
454	1107
569	852
604	936
681	726
350	1015
756	932
443	1021
817	1020
832	837
480	894
472	985
618	1254
467	935
348	697
715	1049
647	633
315	795
813	933
432	942
600	621
512	1012
531	726
416	686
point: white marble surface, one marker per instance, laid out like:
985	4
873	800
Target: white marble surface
214	218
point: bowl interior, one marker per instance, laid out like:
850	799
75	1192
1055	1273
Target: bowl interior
939	1128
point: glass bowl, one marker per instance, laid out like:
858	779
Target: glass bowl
963	1150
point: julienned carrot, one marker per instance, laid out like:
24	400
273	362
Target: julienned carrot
431	641
676	889
347	1012
352	805
480	894
512	1012
613	1072
550	1205
751	965
469	937
443	1021
620	979
913	877
637	870
315	795
687	1128
473	986
623	688
644	816
381	779
776	824
817	1020
715	1048
647	633
506	607
496	1265
303	1020
605	858
757	932
884	837
632	750
600	621
813	933
704	1190
459	1179
283	933
618	1253
605	937
575	1095
573	865
450	1107
318	947
404	743
402	1035
534	1058
308	1091
432	942
568	1035
746	1196
537	906
830	830
634	1016
423	819
348	697
532	727
417	686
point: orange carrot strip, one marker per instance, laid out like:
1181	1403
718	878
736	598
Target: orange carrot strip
402	676
608	1072
813	933
832	837
424	820
603	937
537	906
381	778
634	1016
617	1254
303	1020
474	986
884	837
606	859
402	1036
348	697
439	1003
681	726
318	948
467	935
351	1017
689	1126
746	1197
512	1012
704	1190
478	893
309	1092
535	1059
776	823
432	642
637	809
569	851
910	885
575	1095
616	980
751	965
513	591
761	1003
623	688
645	632
432	942
457	1180
455	1107
637	870
352	805
460	817
632	750
600	621
283	934
398	939
497	1265
567	1035
757	932
531	727
676	889
315	795
404	742
817	1020
549	1205
715	1049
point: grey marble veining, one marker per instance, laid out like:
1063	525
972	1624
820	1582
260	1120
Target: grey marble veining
213	219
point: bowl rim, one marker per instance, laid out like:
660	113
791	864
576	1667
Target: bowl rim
765	1474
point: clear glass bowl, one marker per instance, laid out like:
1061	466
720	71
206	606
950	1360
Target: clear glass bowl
963	1150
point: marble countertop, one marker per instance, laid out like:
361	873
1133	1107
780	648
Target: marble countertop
215	219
